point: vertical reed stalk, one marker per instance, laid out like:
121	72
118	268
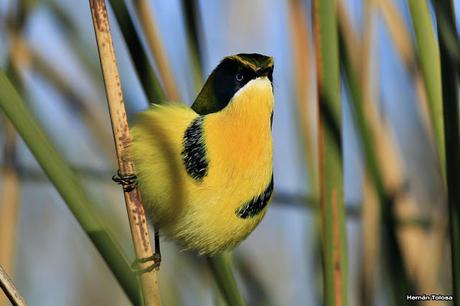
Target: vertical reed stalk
429	62
446	24
10	290
135	209
153	39
330	153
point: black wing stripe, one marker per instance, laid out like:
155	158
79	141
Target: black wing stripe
257	204
194	152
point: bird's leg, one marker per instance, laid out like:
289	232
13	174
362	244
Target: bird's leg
156	258
157	243
128	181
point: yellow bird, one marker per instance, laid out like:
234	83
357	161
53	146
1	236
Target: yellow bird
205	172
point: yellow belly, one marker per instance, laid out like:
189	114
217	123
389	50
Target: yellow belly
201	214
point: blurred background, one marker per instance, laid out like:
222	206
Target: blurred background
50	47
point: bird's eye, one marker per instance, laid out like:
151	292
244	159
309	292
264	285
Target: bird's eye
239	77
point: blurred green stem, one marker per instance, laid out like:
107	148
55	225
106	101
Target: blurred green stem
191	11
152	36
67	185
446	24
221	269
334	233
258	293
428	57
85	106
142	65
400	281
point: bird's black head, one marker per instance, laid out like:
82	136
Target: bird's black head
231	75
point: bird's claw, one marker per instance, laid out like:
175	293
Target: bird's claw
155	259
127	181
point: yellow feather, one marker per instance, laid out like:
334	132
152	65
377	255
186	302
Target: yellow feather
201	214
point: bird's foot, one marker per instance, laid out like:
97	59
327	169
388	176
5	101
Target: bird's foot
155	259
128	181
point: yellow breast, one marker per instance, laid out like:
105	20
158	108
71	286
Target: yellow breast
239	150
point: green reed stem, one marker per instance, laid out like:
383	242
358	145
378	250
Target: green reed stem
68	186
221	269
399	278
143	67
428	58
330	154
446	33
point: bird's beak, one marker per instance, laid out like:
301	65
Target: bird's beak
266	71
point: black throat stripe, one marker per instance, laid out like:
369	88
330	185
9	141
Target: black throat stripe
257	204
194	151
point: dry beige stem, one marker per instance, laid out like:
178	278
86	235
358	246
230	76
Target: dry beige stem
398	30
305	101
352	42
136	215
10	290
148	24
371	208
361	58
371	245
9	205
